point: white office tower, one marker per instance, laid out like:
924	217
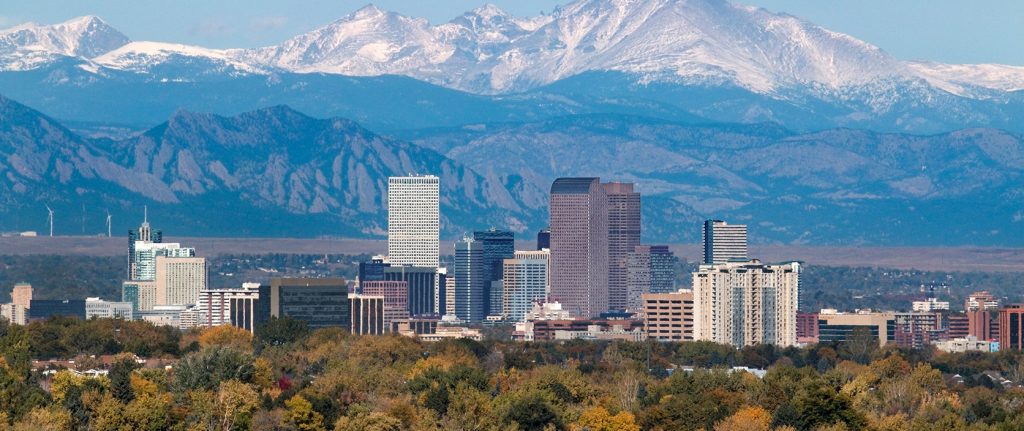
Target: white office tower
746	303
179	280
526	281
724	242
413	220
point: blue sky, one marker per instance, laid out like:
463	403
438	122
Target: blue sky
956	31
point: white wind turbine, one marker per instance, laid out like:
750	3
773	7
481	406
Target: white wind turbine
108	224
49	218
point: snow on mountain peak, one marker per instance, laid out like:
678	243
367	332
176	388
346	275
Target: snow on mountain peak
85	36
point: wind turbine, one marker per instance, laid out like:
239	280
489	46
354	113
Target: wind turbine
108	224
49	218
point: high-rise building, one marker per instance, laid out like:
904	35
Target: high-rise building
724	242
1011	327
413	220
498	245
422	283
668	316
100	309
544	239
623	238
396	299
746	303
449	297
579	245
526	281
146	254
367	314
320	302
14	313
179	279
470	280
650	269
980	308
238	307
22	295
141	294
373	270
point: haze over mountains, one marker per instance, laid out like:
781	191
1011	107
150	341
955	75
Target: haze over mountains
713	108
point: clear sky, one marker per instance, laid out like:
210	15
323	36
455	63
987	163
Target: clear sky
955	31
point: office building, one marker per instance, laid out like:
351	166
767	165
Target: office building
579	245
238	307
424	285
449	297
746	303
668	316
413	220
367	314
1011	327
929	304
144	235
100	309
724	242
320	302
835	327
21	295
147	253
42	309
373	270
526	282
164	315
396	299
498	245
544	239
470	280
918	329
179	279
958	326
141	294
980	309
623	238
966	344
650	269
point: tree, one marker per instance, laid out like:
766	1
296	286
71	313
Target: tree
599	419
235	403
44	419
121	378
750	418
375	421
821	405
207	368
279	331
531	412
300	413
859	345
227	336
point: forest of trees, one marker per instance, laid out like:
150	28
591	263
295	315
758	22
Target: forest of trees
288	377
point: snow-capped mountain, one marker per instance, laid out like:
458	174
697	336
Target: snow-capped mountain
489	51
31	45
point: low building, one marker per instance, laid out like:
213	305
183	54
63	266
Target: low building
806	328
1011	327
602	333
930	304
320	302
42	309
448	333
164	315
545	330
966	344
238	307
100	309
836	327
368	314
668	316
14	313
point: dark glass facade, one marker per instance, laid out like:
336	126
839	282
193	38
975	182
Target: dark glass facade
422	288
320	302
42	309
498	245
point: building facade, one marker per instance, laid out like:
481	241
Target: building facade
396	298
367	314
238	307
724	242
414	220
424	284
41	309
579	245
668	316
623	238
21	295
100	309
179	279
498	245
746	303
1011	327
320	302
471	279
526	282
651	269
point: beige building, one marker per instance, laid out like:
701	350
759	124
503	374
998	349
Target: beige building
22	295
744	303
179	280
669	316
526	280
836	327
14	313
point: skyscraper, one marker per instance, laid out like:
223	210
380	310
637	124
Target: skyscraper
746	303
413	220
179	279
526	280
22	295
498	245
579	245
544	239
651	269
724	242
623	237
470	280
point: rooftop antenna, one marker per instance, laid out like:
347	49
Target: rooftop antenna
49	218
108	224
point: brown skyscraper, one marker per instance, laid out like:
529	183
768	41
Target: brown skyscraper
623	237
579	245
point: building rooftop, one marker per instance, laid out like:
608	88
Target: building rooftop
573	185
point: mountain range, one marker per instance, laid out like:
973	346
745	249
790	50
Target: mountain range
712	59
714	109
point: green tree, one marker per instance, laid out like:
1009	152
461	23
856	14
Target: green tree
300	413
280	331
821	405
121	378
207	368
